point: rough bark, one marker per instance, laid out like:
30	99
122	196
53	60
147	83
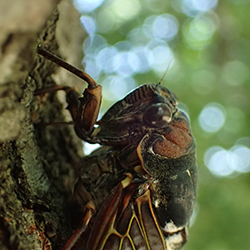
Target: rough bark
36	161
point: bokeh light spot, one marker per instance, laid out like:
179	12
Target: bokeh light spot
126	63
125	10
144	55
162	55
87	6
195	7
137	36
116	87
242	153
165	27
218	161
91	67
104	59
198	32
89	24
92	45
212	117
222	162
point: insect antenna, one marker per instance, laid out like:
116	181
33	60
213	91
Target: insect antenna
159	83
83	75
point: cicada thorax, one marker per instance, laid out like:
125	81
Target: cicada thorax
130	118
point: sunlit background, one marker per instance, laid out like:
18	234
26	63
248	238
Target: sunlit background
205	44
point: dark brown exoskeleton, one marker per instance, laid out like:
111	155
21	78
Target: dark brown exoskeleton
138	190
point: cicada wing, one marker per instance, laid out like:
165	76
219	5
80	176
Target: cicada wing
125	222
145	215
104	225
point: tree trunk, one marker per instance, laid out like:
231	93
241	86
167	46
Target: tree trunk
37	161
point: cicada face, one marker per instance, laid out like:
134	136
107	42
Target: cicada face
143	183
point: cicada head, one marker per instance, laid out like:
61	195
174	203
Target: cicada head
148	107
159	112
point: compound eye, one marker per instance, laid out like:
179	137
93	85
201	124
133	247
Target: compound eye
158	115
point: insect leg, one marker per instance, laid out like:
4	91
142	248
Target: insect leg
90	211
83	110
83	197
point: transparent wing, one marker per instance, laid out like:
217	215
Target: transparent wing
125	222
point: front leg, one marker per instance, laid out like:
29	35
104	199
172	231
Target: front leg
84	110
87	112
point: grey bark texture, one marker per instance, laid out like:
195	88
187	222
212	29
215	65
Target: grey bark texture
37	161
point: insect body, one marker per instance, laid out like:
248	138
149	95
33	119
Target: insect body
138	190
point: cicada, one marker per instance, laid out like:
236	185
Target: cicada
138	190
